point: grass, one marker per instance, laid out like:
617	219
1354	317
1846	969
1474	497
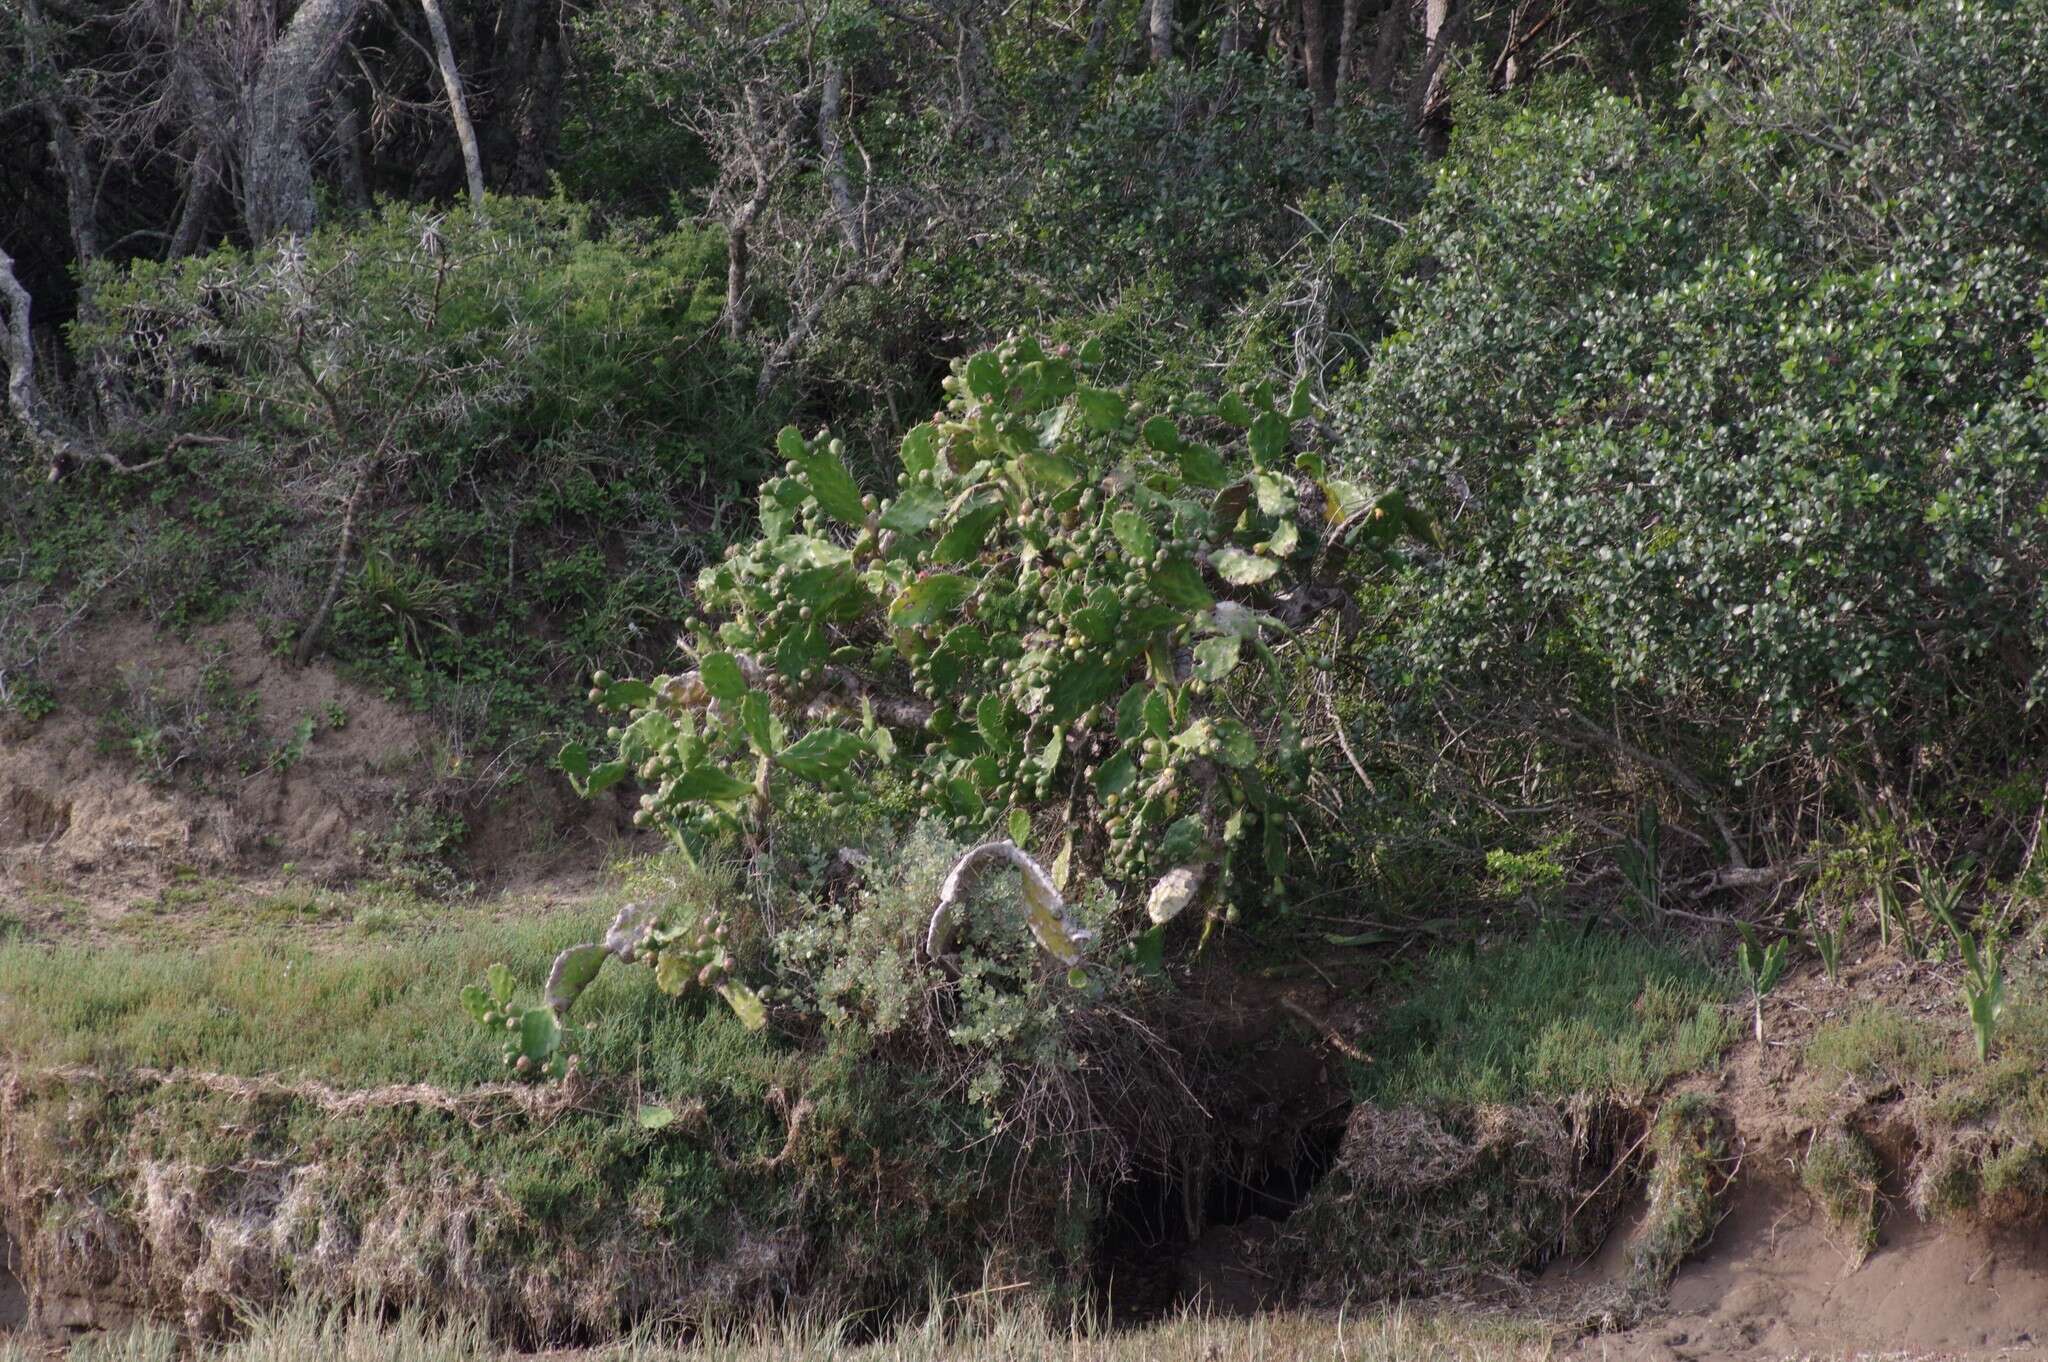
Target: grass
1687	1145
1842	1174
1560	1014
1981	1126
1396	1335
353	1011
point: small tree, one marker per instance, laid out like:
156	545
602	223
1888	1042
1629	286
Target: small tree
1063	618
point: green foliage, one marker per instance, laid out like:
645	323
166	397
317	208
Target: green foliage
532	1036
1842	1174
1558	1014
1642	860
1745	487
1828	938
1688	1143
1762	967
1536	874
1095	580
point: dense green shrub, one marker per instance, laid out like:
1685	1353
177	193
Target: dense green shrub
1697	480
1064	619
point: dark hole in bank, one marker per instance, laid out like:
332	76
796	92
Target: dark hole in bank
1169	1239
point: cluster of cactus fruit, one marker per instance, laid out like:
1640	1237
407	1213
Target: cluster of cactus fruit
532	1037
1037	628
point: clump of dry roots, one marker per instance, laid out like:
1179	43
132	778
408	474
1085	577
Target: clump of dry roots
1433	1200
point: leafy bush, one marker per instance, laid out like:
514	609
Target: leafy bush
1754	500
1106	592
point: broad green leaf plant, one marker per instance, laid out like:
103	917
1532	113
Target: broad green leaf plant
1035	625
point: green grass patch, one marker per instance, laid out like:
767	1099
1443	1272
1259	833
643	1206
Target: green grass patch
362	1008
1557	1014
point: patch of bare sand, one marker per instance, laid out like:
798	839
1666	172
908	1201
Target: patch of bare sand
85	837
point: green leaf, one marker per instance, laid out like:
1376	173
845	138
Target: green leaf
628	695
1360	938
992	721
1082	684
1020	826
1158	714
920	451
540	1034
1203	466
985	377
1216	658
757	721
1233	409
572	973
653	1117
1298	402
821	753
837	493
475	1001
1130	713
915	507
712	785
1047	470
1275	493
1116	775
1101	408
1134	533
499	979
745	1004
575	760
1182	839
1285	539
723	678
800	648
1239	568
929	601
1148	949
1091	351
1269	437
1180	582
968	534
1096	625
603	777
1162	435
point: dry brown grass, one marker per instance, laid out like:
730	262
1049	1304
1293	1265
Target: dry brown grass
1394	1335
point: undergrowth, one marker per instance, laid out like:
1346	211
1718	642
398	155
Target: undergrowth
1563	1013
965	1330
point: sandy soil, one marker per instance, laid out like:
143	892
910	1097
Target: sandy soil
86	838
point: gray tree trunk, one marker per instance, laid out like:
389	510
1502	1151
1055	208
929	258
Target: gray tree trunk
1426	103
832	151
1161	26
458	104
277	170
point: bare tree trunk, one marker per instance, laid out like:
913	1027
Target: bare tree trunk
736	262
458	104
1160	26
277	171
1091	55
1386	53
785	351
1315	62
833	153
1348	36
81	195
1426	103
24	397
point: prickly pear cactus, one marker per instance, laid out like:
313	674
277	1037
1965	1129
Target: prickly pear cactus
532	1036
1040	623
